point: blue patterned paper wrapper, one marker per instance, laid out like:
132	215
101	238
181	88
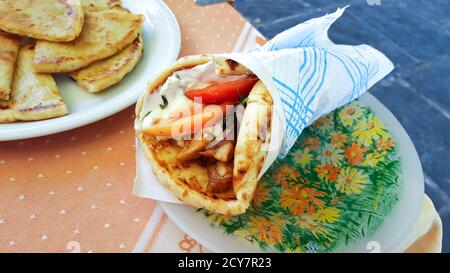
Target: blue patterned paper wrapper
309	76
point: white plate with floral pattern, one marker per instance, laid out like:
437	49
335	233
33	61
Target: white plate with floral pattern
390	235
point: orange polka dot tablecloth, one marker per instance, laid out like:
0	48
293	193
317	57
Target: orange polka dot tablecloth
71	192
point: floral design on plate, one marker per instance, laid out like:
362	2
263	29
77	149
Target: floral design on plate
338	183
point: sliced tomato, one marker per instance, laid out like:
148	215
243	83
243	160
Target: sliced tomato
222	92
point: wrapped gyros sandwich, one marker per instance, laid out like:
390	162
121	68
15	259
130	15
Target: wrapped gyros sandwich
205	128
210	126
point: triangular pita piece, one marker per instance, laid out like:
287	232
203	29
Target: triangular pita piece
34	96
104	34
98	5
108	72
59	21
9	47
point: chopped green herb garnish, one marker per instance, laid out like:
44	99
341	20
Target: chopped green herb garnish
148	113
165	103
242	99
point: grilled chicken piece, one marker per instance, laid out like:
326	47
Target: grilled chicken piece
223	152
220	177
192	149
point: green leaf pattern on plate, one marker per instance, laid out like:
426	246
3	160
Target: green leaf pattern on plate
338	183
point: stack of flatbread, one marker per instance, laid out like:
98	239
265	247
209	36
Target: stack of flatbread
96	42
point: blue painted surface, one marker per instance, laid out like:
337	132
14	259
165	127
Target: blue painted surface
415	35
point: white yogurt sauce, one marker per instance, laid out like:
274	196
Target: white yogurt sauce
173	89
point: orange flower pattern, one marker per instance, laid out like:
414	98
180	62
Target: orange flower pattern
299	200
264	229
354	153
323	194
261	194
338	139
312	143
327	172
384	145
286	173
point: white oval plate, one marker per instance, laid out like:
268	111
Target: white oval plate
390	237
161	48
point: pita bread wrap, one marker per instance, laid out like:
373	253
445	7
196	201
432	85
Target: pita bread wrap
307	76
190	180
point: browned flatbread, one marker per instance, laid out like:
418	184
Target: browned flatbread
188	182
108	72
104	34
9	47
51	20
98	5
34	96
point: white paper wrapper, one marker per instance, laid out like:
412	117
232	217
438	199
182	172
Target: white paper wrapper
307	75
